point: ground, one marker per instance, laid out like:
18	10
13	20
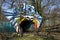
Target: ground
28	36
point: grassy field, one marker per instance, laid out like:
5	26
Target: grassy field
28	36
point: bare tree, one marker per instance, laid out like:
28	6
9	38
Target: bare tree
2	17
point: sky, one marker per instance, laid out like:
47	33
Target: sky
11	11
6	8
54	4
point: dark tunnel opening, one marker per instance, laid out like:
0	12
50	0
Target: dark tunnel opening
25	25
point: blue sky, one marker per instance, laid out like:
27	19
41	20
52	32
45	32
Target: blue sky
6	7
